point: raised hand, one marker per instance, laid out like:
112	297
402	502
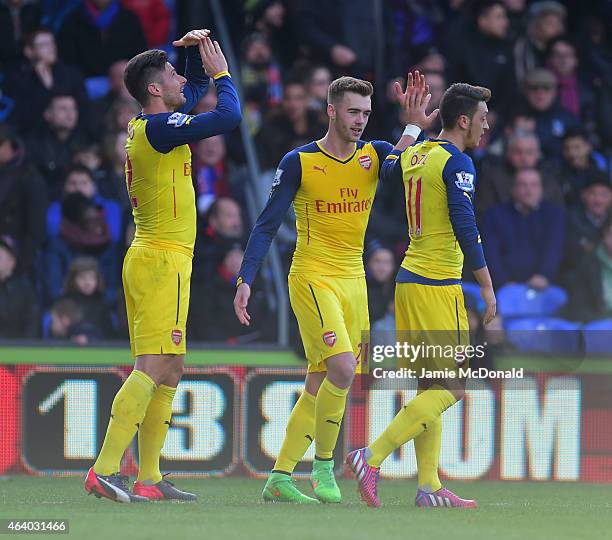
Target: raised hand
414	101
212	57
192	38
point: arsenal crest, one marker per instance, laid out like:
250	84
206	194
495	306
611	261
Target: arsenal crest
329	338
177	337
365	162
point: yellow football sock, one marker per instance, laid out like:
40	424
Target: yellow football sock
427	449
127	412
329	410
152	434
299	434
410	422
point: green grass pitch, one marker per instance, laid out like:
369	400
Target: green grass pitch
231	508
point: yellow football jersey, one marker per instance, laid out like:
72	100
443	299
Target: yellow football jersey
332	199
439	183
161	191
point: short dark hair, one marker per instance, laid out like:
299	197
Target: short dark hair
575	132
461	99
340	86
66	307
79	169
30	37
141	70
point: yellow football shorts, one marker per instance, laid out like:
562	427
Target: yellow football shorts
435	317
156	285
332	314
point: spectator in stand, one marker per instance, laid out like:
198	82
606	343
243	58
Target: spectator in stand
83	231
84	285
23	200
552	121
292	125
41	77
97	33
268	17
155	19
113	185
261	80
515	9
328	30
380	280
117	91
545	21
524	238
19	315
586	221
590	286
66	322
17	19
51	149
575	92
210	172
580	164
120	113
223	225
79	179
485	56
522	152
319	79
212	316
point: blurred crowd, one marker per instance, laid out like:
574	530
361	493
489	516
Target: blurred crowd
544	190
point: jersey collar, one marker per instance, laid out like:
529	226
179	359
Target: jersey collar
334	157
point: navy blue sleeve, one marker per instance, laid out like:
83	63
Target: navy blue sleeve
286	183
383	148
391	167
168	130
197	80
460	177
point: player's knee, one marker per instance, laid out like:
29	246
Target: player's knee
341	371
174	373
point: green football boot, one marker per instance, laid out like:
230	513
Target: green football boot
323	482
281	488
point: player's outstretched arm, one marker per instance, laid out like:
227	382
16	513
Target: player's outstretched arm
285	186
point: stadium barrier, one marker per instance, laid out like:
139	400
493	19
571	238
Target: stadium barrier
230	420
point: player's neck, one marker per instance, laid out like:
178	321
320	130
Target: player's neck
336	146
454	138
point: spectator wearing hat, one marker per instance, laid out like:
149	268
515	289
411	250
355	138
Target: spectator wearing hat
579	164
545	21
524	238
585	222
23	199
590	289
18	306
552	121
